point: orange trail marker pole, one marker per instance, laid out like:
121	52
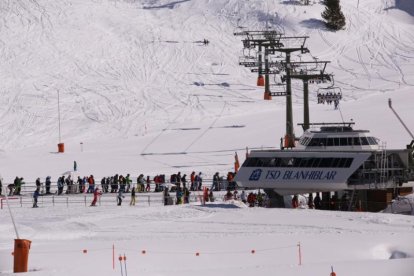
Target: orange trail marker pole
120	263
333	272
300	254
126	273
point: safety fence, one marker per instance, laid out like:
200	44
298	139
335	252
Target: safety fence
150	199
30	187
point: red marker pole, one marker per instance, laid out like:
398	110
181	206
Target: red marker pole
300	254
113	256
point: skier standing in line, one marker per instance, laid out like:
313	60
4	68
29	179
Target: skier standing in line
148	187
192	180
120	197
128	181
35	196
166	195
132	202
48	183
199	181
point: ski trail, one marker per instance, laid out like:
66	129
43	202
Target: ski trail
207	129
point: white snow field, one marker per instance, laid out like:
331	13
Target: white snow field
142	94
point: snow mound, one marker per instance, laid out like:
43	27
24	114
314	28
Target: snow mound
384	252
398	255
230	204
401	205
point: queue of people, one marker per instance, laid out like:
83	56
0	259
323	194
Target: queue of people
180	187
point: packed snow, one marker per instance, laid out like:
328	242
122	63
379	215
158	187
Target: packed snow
140	93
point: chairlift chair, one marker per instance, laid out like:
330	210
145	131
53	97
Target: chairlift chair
248	56
330	93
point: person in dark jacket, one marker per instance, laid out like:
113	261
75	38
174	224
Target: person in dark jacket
48	182
317	202
166	195
120	197
216	182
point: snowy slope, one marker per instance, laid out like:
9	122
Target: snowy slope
133	78
143	95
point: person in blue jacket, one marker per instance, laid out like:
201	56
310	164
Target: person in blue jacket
35	196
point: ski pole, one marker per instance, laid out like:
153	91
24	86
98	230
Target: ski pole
120	263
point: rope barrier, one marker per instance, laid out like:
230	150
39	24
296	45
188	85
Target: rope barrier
146	252
162	252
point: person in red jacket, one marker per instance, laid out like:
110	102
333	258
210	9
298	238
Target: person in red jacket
96	194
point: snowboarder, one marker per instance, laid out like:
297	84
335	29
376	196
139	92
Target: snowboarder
75	166
96	194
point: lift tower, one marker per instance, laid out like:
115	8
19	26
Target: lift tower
261	40
272	42
308	71
290	45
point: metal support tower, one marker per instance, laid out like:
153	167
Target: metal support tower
301	73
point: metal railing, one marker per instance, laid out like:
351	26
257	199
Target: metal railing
85	200
30	187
